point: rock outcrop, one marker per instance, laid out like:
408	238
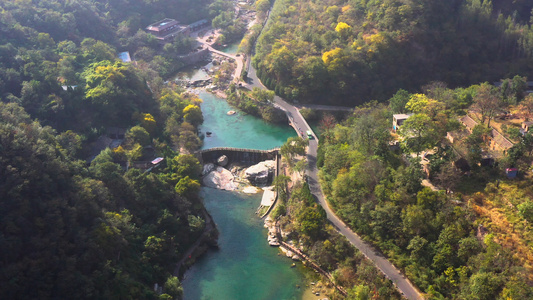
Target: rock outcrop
259	174
207	168
220	179
222	161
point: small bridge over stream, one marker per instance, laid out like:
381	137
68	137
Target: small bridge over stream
236	155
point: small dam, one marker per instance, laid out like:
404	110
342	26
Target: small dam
236	155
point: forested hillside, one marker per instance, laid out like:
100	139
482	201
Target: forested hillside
78	233
108	230
352	51
470	244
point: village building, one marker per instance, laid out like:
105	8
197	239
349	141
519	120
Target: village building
498	142
526	125
398	119
457	135
468	122
167	29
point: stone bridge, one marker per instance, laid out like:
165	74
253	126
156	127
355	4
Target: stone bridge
236	155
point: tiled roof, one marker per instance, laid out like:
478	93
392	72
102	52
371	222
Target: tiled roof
501	140
469	122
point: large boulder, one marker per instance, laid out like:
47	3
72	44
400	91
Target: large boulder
260	174
222	161
208	168
220	179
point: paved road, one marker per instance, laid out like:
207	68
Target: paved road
326	107
400	281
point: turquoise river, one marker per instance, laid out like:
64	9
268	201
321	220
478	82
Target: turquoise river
244	267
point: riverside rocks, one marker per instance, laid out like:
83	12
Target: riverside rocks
207	168
272	237
220	179
222	161
260	173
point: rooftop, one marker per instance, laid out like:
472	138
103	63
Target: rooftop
469	122
162	25
501	140
401	116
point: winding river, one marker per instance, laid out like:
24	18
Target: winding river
244	267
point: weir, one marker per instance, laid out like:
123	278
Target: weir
236	155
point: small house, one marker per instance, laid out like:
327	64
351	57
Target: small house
498	142
468	122
398	119
511	172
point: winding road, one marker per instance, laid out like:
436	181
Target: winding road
403	284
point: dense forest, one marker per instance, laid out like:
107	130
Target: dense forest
111	228
351	51
451	245
69	231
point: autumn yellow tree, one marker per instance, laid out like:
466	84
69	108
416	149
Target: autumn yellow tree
148	123
193	114
343	29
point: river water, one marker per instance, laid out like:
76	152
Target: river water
245	266
239	130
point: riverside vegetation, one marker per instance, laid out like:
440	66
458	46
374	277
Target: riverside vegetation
107	230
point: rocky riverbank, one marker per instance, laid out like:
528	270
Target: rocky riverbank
232	177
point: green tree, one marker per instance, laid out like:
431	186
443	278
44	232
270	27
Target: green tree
526	210
486	102
281	183
483	286
311	220
262	6
185	165
359	292
173	287
418	133
398	102
115	91
138	135
187	187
